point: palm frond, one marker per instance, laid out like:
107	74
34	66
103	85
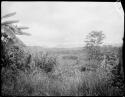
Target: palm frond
23	28
9	22
8	15
23	33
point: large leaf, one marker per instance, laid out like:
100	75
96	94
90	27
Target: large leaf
23	33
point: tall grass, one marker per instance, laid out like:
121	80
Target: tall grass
22	71
98	84
44	79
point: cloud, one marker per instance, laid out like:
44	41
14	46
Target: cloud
65	24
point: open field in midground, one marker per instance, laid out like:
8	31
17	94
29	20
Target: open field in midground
70	74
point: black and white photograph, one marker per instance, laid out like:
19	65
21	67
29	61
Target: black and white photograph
52	48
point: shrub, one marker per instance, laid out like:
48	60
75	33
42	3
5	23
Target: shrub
83	69
98	84
45	62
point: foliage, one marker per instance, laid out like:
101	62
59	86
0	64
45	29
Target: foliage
117	71
95	38
45	62
93	42
13	57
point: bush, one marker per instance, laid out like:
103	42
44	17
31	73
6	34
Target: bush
98	84
45	62
117	71
13	62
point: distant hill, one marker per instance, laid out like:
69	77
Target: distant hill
76	50
55	50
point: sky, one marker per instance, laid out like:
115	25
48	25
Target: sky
66	24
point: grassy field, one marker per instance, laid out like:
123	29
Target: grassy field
70	74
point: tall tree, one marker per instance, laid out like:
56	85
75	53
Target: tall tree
93	42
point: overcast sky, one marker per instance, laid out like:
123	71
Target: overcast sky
66	24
